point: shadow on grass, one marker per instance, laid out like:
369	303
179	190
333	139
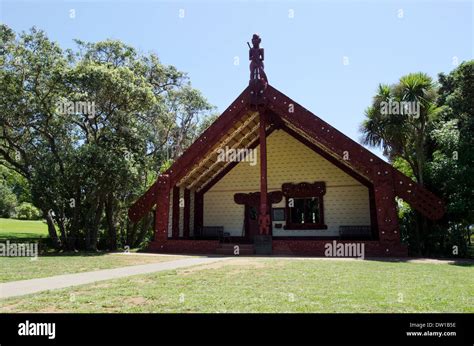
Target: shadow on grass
21	236
75	254
463	262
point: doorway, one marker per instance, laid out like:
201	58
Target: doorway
251	221
251	201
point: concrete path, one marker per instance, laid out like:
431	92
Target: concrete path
23	287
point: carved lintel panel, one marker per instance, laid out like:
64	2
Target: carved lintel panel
253	198
315	189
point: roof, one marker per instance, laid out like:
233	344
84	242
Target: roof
198	168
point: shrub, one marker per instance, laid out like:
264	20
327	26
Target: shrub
27	211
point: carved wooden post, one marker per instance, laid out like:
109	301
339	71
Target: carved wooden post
386	209
187	210
162	209
198	213
175	220
264	218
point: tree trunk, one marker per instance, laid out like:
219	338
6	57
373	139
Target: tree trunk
424	234
421	225
76	216
417	232
62	231
52	230
131	231
112	229
145	227
91	241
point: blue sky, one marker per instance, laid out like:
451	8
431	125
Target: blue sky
305	43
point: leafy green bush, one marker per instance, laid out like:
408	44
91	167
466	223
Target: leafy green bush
27	211
8	201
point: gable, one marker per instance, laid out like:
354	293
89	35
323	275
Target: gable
238	126
288	160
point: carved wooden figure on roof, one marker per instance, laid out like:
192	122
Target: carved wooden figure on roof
256	56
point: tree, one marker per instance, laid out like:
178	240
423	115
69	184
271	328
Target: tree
451	169
30	80
400	131
400	120
434	146
89	130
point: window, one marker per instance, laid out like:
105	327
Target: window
278	214
305	210
304	205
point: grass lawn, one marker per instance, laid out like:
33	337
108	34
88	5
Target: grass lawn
271	285
13	228
22	268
